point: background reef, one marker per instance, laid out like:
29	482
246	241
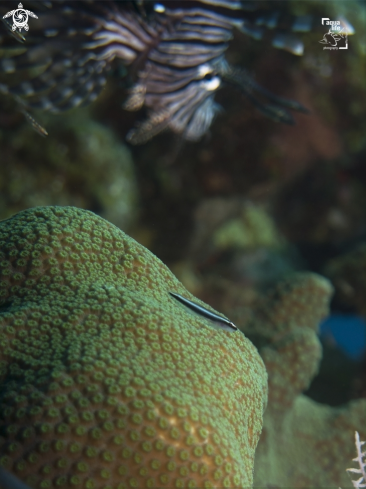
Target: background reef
236	213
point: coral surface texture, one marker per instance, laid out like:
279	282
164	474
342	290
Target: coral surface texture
108	381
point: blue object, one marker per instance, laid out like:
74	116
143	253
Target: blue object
348	332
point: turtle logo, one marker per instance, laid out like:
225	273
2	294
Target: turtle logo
20	18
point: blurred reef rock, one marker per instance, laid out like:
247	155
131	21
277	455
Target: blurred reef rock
79	163
348	273
303	443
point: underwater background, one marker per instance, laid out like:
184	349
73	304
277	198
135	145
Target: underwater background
248	205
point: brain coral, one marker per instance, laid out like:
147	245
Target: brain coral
107	381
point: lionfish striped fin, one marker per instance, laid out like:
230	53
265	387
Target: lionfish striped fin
150	128
174	52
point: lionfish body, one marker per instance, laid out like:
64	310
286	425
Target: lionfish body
174	51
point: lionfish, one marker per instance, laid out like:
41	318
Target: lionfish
173	51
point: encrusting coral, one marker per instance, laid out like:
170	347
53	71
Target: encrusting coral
107	381
303	443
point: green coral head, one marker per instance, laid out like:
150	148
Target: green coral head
109	381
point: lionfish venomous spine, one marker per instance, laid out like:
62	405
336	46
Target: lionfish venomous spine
174	51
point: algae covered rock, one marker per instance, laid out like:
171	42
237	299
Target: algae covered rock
81	163
107	381
303	443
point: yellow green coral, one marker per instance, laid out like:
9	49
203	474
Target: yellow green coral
252	229
107	381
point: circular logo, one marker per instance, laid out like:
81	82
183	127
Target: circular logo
20	19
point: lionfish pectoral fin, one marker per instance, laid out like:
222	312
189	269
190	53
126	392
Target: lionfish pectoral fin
16	34
35	125
278	114
283	102
292	104
148	129
272	105
274	112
